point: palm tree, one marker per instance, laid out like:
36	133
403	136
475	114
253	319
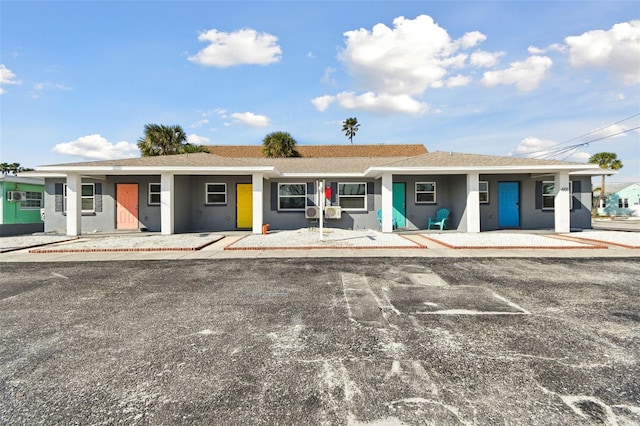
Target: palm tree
165	140
606	160
350	127
279	145
12	168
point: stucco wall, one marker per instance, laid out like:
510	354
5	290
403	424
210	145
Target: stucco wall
193	214
350	219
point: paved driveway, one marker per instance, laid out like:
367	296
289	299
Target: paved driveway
321	341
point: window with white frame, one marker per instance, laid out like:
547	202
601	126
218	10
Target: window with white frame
154	194
425	192
32	201
216	193
292	196
352	196
483	192
623	203
549	196
88	197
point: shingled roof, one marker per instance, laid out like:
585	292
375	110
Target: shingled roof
324	151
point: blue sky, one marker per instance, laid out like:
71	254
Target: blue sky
79	80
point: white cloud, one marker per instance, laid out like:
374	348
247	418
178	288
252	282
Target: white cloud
245	46
540	148
482	59
457	81
322	102
471	39
250	119
7	77
393	66
614	129
197	140
407	59
326	77
381	103
218	111
526	75
199	123
39	88
97	147
617	50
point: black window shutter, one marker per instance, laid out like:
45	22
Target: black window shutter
334	192
577	190
59	197
274	196
98	197
370	186
539	195
311	190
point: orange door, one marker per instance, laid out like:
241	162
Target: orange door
127	206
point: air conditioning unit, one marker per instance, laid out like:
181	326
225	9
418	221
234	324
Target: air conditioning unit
15	196
311	212
333	212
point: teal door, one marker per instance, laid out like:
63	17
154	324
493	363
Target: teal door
509	204
399	204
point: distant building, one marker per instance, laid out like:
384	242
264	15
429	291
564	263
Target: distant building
621	199
21	201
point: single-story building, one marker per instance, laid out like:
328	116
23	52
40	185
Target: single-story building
21	201
212	192
621	199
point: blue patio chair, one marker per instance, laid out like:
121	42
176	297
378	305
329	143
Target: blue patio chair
379	214
441	218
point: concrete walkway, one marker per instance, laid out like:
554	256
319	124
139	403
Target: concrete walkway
307	243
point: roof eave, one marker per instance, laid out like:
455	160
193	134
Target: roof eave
51	171
377	171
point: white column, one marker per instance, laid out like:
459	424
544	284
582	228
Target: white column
257	188
387	202
74	205
473	202
562	203
167	197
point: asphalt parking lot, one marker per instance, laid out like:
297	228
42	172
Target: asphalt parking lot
351	341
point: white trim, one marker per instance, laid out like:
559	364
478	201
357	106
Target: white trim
480	191
207	192
301	209
167	184
363	196
93	196
387	202
145	170
562	203
435	192
473	202
149	192
74	204
257	189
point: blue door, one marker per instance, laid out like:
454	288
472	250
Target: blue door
509	204
399	204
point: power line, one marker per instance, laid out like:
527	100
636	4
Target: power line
601	128
555	150
560	151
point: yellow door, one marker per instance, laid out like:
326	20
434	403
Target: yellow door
244	207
